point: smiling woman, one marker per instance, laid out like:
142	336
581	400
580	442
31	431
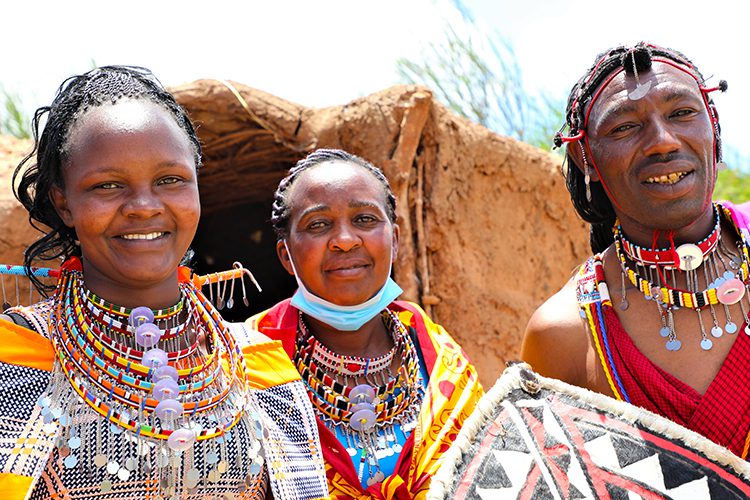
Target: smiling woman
126	380
389	387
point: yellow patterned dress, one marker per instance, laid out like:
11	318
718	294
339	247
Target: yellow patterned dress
450	396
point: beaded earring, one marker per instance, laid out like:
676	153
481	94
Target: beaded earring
586	172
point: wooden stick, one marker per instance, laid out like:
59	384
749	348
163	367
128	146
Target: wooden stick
401	163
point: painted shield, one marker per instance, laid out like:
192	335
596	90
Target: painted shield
532	437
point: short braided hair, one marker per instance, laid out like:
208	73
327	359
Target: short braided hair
280	209
74	98
599	212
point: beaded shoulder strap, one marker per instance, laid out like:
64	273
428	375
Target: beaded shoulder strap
36	316
593	295
590	285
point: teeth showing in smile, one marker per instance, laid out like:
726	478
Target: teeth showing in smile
666	179
149	236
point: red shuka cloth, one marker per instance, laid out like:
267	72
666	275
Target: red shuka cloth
722	414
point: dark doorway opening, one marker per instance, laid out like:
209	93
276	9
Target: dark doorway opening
243	233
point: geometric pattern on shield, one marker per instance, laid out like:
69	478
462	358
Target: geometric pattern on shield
533	437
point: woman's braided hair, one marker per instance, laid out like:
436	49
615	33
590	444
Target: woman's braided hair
78	94
280	210
599	212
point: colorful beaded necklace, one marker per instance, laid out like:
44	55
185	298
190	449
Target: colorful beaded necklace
654	273
164	401
360	395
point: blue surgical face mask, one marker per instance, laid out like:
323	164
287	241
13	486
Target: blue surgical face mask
344	318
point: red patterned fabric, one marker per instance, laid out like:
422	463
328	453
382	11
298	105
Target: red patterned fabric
722	414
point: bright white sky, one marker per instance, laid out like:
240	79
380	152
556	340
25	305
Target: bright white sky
326	52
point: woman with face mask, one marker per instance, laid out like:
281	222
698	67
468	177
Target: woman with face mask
389	387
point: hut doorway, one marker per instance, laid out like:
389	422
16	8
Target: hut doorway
243	233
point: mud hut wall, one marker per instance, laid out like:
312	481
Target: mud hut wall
17	232
501	235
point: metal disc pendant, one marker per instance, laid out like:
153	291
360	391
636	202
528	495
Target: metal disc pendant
100	460
640	91
690	257
397	448
716	331
706	344
255	468
123	474
192	478
375	478
673	345
113	467
70	461
351	451
664	331
131	464
747	329
624	304
106	486
730	328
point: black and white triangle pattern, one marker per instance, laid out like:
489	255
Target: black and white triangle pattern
505	472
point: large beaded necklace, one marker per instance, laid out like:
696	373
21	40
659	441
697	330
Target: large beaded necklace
147	374
654	273
360	396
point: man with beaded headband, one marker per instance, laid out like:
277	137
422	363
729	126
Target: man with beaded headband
658	316
126	381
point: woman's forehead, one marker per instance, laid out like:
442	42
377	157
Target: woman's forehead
336	178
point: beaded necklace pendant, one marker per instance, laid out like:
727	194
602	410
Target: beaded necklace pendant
725	274
363	400
155	395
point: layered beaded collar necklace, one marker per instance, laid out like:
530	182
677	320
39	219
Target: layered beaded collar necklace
654	273
361	396
146	375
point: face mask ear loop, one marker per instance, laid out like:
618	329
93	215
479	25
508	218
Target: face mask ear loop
291	261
